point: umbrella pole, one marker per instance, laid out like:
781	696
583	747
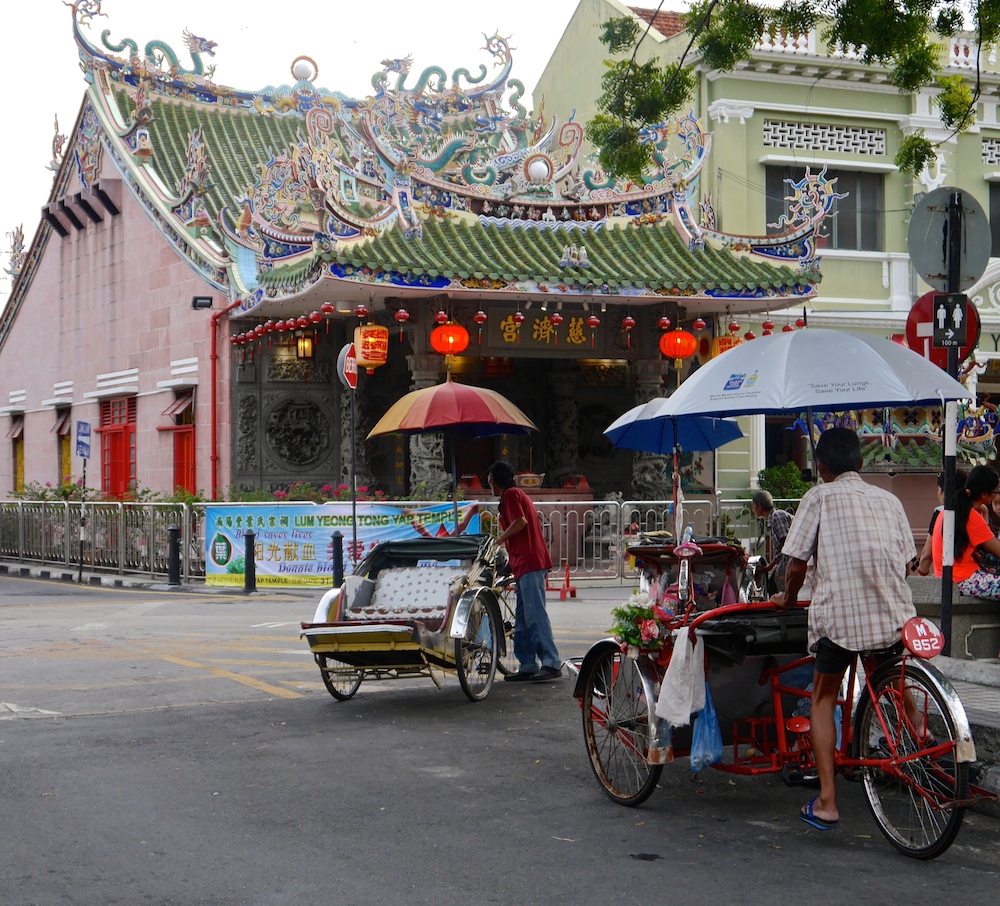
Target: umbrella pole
812	446
454	484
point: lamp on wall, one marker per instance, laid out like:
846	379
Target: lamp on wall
303	345
201	302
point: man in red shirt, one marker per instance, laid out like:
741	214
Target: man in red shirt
521	534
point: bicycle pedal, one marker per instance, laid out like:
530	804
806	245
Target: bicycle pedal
797	775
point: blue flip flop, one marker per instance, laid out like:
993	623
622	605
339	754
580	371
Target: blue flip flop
813	820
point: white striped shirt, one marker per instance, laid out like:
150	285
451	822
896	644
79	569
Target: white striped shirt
862	542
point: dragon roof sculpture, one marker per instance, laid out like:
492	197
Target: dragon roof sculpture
270	192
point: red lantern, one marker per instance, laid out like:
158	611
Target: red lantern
258	331
315	317
734	327
768	325
371	346
699	324
664	323
441	317
678	345
749	335
328	308
556	320
593	322
518	319
766	333
401	316
787	328
480	318
800	322
302	321
628	322
360	312
449	338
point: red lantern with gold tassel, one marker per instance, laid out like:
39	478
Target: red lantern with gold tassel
518	319
678	345
593	322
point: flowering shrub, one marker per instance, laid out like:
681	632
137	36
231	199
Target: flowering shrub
640	623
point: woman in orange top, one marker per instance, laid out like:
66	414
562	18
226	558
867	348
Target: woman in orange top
972	535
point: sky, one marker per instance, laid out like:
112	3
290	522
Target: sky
39	65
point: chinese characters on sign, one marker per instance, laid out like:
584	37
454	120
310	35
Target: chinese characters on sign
540	331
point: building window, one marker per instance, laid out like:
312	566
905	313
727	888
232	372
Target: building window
63	430
16	435
181	412
995	218
117	446
856	220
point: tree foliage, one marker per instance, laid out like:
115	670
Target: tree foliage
902	35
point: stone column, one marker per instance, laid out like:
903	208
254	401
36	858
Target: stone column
562	440
650	471
427	465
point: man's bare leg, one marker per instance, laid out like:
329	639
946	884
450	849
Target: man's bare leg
826	688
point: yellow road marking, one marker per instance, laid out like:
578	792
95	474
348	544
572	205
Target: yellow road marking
236	677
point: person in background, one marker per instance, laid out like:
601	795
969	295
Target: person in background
521	534
860	540
992	513
925	563
973	537
778	523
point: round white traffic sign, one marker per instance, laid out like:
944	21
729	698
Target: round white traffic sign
929	244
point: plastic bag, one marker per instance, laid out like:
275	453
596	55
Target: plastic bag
683	682
706	739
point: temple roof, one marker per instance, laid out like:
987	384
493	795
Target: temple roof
629	261
426	186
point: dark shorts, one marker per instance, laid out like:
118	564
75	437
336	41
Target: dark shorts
832	659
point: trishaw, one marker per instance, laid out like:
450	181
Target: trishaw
414	607
903	731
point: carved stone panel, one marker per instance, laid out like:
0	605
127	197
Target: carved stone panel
246	433
297	432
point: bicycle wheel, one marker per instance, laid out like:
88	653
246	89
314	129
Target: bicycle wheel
507	598
475	652
341	680
914	800
616	729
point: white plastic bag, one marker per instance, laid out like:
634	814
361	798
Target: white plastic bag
682	692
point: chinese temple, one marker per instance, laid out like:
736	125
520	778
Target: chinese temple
206	252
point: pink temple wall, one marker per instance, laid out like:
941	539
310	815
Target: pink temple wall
109	298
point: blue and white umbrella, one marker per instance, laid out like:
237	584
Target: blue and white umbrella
651	428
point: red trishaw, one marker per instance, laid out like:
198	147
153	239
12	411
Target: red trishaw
904	732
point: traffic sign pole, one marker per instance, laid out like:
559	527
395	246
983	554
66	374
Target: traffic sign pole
954	240
347	365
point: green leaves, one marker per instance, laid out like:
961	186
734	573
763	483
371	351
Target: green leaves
897	34
915	153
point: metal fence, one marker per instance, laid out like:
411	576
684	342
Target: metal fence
589	536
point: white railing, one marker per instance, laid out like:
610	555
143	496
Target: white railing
589	536
962	51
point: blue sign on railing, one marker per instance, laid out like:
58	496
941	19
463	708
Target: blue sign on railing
83	440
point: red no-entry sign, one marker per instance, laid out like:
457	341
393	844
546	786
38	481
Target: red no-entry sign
920	331
347	365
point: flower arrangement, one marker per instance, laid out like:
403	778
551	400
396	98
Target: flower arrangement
640	623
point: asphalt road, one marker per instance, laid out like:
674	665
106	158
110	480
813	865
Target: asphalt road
197	760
